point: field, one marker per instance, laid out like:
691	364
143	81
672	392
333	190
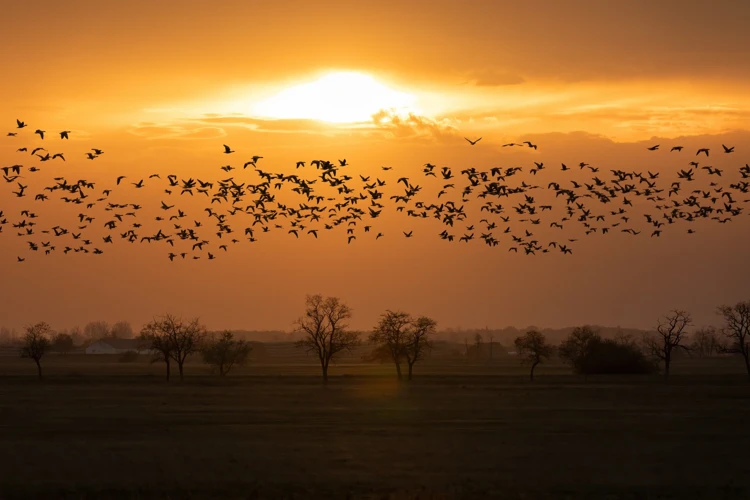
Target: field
97	428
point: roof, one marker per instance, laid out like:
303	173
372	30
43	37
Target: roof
124	343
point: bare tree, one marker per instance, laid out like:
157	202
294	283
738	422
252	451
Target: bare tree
670	333
391	335
62	343
324	329
225	351
706	342
418	343
532	347
737	329
121	330
96	330
491	339
172	338
576	347
36	342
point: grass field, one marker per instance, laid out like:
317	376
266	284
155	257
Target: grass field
96	428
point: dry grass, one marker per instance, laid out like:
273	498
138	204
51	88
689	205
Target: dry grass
95	428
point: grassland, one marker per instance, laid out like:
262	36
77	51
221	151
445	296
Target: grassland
96	428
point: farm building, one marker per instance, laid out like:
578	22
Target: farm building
117	346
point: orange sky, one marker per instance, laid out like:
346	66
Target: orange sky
160	86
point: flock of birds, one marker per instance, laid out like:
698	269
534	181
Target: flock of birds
249	200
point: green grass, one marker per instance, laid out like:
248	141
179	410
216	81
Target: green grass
96	428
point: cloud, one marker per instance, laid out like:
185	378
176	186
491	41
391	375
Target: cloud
149	130
411	125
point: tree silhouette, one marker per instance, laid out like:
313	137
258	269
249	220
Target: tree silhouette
36	342
577	346
62	343
737	329
225	352
419	341
172	338
532	348
670	333
325	330
390	336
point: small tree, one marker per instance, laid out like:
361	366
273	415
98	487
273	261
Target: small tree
224	352
35	343
172	338
670	333
737	329
491	339
576	348
62	343
324	330
532	348
390	337
418	342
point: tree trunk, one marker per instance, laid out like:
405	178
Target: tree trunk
168	369
531	375
667	361
747	362
325	373
491	350
39	368
398	370
411	366
179	367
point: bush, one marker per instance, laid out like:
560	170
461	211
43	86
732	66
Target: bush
128	357
589	354
612	357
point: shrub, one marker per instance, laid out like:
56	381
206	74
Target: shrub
589	354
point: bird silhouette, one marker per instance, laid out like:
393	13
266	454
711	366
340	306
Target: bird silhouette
474	142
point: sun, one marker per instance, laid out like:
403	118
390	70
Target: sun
342	97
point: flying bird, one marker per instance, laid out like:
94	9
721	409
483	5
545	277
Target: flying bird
473	142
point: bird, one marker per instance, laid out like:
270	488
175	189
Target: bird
727	149
64	134
676	148
653	148
474	142
227	149
40	133
20	124
702	150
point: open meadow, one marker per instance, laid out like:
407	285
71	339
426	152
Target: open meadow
96	427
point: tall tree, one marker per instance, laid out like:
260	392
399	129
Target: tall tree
737	330
324	329
418	343
36	342
670	335
390	336
171	338
532	348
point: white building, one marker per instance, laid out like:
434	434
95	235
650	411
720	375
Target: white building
117	346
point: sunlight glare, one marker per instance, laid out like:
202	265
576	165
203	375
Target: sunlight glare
342	97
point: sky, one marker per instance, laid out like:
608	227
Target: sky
162	86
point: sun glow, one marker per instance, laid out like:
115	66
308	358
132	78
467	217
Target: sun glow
343	97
